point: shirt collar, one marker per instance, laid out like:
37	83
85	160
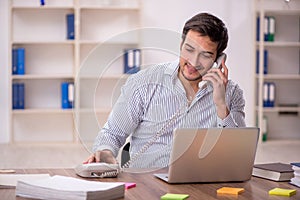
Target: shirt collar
172	69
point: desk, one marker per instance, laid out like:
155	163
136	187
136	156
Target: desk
149	187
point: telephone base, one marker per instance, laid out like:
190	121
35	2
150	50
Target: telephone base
97	170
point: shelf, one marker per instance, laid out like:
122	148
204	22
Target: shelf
280	109
96	42
279	44
111	7
282	12
41	76
42	111
280	76
46	7
108	77
280	59
53	42
52	59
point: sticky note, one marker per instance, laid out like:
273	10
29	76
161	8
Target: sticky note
230	190
129	185
282	192
170	196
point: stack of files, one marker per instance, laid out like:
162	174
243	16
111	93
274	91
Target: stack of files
132	61
268	28
62	187
269	94
296	180
274	171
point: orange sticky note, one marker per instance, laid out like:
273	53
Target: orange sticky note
230	190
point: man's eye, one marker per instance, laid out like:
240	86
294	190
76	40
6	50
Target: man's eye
189	50
206	56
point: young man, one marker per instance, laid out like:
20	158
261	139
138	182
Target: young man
166	96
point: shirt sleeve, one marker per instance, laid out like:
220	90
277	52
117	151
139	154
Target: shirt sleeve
123	119
235	104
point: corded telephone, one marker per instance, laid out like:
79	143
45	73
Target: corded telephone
215	65
102	170
99	170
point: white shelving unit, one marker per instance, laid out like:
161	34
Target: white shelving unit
93	61
283	69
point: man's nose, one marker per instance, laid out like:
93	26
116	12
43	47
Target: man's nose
194	60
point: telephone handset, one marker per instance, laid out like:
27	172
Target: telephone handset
215	65
97	170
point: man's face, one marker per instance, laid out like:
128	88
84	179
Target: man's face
196	56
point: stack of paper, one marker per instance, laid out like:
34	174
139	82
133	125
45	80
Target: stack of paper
61	187
296	180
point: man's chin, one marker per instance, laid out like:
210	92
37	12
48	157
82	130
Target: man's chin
192	78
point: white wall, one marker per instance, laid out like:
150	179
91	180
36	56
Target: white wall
4	133
170	14
238	16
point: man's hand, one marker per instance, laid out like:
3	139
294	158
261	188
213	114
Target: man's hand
102	156
219	79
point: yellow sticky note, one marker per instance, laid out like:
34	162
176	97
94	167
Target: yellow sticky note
230	190
170	196
282	192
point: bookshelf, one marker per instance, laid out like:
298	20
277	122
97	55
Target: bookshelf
91	60
283	69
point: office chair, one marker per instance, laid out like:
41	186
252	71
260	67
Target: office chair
125	157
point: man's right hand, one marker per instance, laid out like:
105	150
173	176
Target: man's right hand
102	156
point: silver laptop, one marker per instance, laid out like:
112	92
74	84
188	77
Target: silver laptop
212	155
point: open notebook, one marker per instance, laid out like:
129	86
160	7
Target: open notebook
212	155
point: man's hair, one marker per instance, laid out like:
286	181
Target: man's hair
208	25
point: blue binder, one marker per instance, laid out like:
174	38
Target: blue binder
18	96
265	61
15	97
64	95
21	96
21	61
70	27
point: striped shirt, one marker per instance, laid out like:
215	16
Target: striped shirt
153	102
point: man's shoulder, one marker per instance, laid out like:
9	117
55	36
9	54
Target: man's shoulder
156	71
233	87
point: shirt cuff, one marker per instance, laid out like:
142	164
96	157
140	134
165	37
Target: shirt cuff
106	147
227	122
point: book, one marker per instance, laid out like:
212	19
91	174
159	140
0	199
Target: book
62	187
296	180
273	171
70	27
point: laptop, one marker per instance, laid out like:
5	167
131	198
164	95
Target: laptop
212	155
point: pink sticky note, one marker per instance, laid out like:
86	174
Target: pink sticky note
129	185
